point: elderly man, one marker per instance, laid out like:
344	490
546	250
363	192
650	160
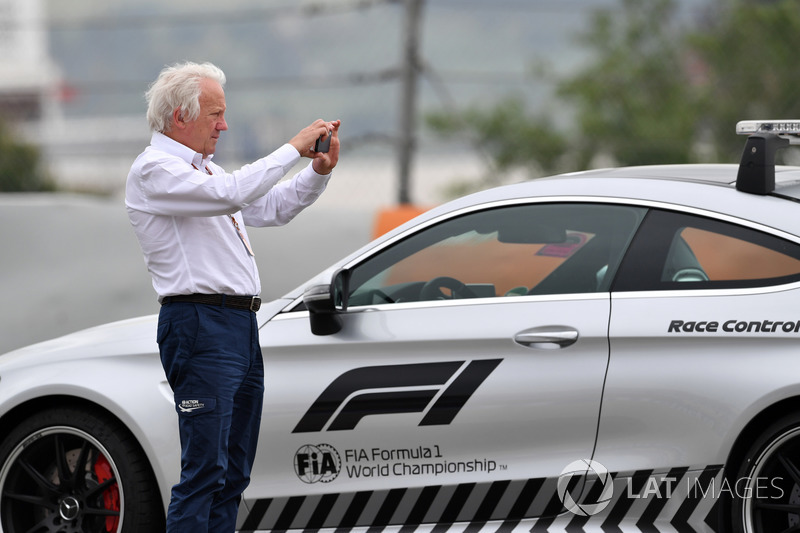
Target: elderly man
190	216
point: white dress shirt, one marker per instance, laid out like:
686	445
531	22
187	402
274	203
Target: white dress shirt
180	206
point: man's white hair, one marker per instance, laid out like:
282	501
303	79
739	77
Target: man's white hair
178	86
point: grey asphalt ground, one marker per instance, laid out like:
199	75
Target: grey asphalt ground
68	262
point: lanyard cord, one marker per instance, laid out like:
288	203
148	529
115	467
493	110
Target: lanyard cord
233	219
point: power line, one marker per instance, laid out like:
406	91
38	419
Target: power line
321	81
538	6
305	10
212	18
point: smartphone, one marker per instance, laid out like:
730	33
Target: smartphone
323	145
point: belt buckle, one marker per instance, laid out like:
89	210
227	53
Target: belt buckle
255	304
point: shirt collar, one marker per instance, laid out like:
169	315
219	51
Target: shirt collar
161	142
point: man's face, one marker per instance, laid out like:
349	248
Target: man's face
202	134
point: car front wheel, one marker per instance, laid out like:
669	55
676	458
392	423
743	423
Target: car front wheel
766	490
70	470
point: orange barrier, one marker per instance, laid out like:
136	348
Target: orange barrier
389	218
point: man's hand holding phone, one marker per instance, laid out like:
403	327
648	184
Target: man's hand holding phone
320	142
323	143
317	138
327	155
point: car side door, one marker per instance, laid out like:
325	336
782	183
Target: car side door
704	319
468	372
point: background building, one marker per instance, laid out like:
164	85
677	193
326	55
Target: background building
28	77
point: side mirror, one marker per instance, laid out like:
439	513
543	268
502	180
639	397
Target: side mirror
325	303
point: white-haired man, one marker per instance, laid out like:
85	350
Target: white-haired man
190	216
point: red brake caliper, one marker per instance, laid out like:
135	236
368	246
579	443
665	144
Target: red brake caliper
111	495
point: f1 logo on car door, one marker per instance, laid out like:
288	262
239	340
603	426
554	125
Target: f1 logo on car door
446	385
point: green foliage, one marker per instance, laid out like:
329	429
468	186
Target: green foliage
635	102
657	91
20	166
751	51
507	133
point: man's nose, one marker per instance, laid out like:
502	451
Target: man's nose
222	125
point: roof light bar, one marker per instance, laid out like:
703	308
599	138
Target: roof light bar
765	137
788	129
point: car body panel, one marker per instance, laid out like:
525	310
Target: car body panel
534	396
681	395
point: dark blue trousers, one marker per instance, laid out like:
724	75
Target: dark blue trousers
212	360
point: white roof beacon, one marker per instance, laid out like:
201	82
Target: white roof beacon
757	166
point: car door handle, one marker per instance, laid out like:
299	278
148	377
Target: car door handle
547	337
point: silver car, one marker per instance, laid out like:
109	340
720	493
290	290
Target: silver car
611	350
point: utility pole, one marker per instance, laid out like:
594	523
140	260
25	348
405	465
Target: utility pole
408	98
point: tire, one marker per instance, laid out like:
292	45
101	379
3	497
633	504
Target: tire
766	489
71	470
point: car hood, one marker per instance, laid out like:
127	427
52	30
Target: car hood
125	337
135	336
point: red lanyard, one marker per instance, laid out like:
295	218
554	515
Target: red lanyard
233	219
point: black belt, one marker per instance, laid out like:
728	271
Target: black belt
250	303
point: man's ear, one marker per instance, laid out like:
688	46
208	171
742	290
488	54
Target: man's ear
177	118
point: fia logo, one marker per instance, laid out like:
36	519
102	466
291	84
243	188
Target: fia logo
317	463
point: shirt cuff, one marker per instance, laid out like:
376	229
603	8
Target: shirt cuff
310	176
287	155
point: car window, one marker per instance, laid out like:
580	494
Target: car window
506	251
682	251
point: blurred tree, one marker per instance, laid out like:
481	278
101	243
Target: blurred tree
20	166
634	103
749	50
656	91
508	134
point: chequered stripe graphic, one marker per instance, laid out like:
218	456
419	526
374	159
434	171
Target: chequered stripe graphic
678	500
